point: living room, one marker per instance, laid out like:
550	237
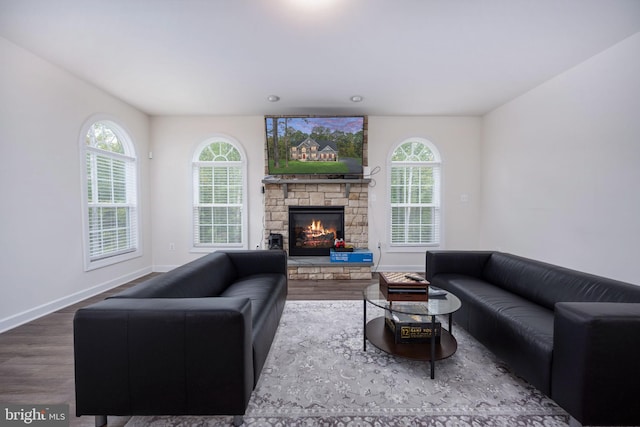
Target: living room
550	174
546	169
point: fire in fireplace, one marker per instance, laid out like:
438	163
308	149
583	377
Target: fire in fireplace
314	229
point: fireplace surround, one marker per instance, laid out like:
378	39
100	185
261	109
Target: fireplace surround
350	194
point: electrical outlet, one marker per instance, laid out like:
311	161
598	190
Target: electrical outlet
172	246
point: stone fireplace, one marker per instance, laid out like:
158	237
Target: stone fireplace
349	195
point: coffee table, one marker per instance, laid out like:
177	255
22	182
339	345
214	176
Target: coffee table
380	336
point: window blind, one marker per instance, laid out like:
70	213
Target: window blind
414	196
218	184
112	212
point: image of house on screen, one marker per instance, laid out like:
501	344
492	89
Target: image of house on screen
312	150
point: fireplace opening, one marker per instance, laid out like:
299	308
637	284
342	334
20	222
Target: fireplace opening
314	229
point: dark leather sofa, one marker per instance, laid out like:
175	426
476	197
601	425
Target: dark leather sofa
191	341
572	335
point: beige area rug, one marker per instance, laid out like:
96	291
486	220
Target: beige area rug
317	374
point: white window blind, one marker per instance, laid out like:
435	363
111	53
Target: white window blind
218	209
415	194
111	196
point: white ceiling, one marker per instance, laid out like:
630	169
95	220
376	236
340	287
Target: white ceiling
404	57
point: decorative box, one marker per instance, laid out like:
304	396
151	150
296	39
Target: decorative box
397	287
358	255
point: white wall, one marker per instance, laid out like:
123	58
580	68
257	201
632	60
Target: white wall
175	138
42	109
561	168
174	141
458	141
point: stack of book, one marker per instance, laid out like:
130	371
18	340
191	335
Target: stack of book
411	328
404	287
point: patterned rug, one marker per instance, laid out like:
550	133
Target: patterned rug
317	374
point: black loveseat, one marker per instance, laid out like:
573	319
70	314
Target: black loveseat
572	335
191	341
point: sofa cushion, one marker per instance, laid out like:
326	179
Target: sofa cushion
463	287
261	289
523	336
207	276
547	284
532	320
516	330
267	293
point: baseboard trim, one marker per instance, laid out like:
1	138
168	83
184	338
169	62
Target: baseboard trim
50	307
163	268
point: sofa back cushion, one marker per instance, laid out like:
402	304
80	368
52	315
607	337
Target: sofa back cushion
208	276
547	284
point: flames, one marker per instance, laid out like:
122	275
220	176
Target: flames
316	230
314	233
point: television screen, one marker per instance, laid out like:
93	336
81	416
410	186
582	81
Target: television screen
315	145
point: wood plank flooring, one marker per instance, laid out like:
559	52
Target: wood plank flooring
36	359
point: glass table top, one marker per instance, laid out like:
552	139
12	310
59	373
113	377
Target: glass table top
435	306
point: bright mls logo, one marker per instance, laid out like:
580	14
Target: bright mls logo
34	415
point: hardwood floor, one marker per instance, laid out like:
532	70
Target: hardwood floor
327	289
36	359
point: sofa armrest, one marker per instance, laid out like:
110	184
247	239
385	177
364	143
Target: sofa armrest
248	263
595	365
470	263
163	356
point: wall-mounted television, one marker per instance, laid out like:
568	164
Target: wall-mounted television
315	145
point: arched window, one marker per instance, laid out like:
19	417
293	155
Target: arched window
415	194
219	194
110	195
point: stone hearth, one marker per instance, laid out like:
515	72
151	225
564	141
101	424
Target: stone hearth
350	193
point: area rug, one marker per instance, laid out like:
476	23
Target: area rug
317	374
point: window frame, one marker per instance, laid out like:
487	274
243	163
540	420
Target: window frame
197	247
94	262
437	188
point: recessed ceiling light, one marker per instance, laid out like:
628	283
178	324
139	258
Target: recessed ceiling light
313	4
356	98
273	98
